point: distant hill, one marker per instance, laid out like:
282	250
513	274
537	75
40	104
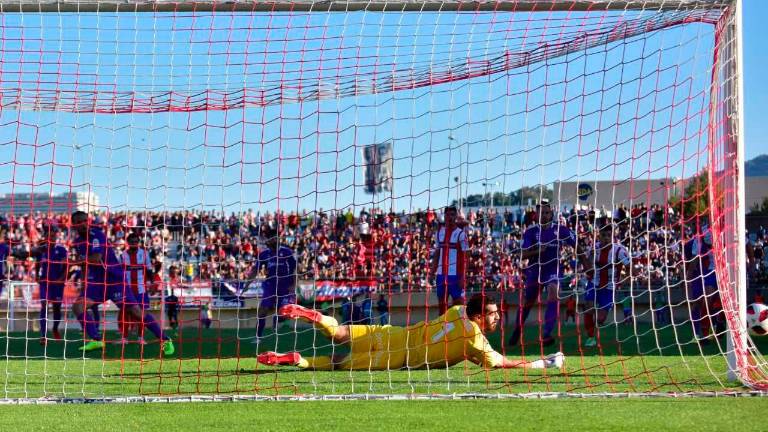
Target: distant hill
756	167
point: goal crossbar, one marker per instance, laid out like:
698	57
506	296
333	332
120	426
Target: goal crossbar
351	6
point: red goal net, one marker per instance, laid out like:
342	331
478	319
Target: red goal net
486	198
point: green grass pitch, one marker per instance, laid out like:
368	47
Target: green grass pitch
217	362
688	414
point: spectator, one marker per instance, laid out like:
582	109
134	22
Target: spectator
392	248
382	307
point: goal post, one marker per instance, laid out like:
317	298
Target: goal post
732	159
239	140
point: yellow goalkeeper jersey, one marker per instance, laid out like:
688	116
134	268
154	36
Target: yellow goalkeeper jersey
444	341
449	339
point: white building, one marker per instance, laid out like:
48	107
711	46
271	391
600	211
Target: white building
609	194
25	203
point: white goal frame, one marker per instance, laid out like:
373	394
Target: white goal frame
737	337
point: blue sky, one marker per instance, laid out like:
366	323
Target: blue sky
629	109
755	85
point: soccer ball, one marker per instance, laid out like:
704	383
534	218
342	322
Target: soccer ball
757	319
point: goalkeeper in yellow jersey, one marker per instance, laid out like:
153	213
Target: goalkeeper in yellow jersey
455	336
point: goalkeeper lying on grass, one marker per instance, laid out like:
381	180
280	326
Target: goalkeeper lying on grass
456	336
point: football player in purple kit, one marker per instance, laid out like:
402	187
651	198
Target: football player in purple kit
701	280
51	277
279	288
541	247
53	257
105	280
5	250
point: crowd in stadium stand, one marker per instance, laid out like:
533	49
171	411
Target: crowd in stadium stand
392	247
757	257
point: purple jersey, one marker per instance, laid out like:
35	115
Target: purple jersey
53	264
4	252
111	269
281	269
546	266
691	257
699	251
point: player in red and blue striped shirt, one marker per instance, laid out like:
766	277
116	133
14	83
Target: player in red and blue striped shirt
449	260
137	264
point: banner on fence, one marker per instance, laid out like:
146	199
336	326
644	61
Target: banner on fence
328	290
